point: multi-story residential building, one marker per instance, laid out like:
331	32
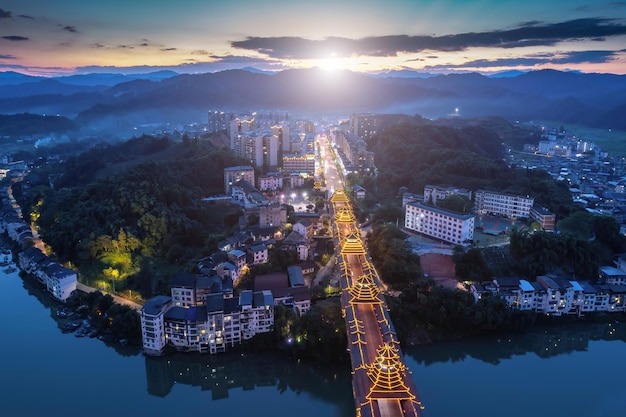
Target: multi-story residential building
612	276
233	174
441	224
217	121
272	216
60	281
411	198
296	180
544	217
238	258
221	322
554	296
183	289
152	317
299	164
271	181
500	204
353	151
295	241
258	254
433	193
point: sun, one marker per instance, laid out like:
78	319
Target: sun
331	63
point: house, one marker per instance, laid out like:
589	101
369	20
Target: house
258	254
60	281
308	267
238	258
227	270
30	259
612	276
296	277
295	241
297	297
358	191
304	227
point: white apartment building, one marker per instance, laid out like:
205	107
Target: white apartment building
153	324
441	224
553	296
60	281
432	193
500	204
212	327
271	181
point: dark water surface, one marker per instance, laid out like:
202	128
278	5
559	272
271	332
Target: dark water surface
575	370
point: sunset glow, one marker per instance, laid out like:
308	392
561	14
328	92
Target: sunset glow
71	36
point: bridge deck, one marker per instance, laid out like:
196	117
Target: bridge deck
382	384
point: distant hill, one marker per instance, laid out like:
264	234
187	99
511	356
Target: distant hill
32	124
588	99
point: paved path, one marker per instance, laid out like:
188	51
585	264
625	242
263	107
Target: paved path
116	298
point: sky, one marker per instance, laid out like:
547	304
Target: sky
64	37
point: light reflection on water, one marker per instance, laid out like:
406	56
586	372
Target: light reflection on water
571	370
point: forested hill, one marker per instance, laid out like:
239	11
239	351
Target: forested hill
32	124
151	211
419	153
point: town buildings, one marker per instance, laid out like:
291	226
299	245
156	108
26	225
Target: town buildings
187	321
501	204
558	296
234	174
445	225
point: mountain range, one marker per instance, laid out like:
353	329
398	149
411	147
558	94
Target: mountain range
597	100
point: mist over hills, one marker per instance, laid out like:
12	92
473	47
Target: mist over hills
597	100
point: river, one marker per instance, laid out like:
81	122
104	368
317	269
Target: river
574	370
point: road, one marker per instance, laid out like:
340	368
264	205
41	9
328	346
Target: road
382	385
116	298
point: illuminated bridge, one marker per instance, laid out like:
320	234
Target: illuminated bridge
381	382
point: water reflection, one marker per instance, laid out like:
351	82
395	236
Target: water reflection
221	373
545	342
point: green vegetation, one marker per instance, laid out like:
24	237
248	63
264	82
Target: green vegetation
397	265
121	228
425	312
108	317
418	154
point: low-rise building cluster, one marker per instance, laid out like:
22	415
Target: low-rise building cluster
557	296
59	281
203	313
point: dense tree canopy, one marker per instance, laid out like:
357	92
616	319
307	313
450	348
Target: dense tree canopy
153	209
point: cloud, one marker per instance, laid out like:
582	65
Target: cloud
15	38
5	14
8	57
71	29
168	49
595	7
25	16
217	63
575	57
526	34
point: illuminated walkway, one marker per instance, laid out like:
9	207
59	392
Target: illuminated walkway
382	384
